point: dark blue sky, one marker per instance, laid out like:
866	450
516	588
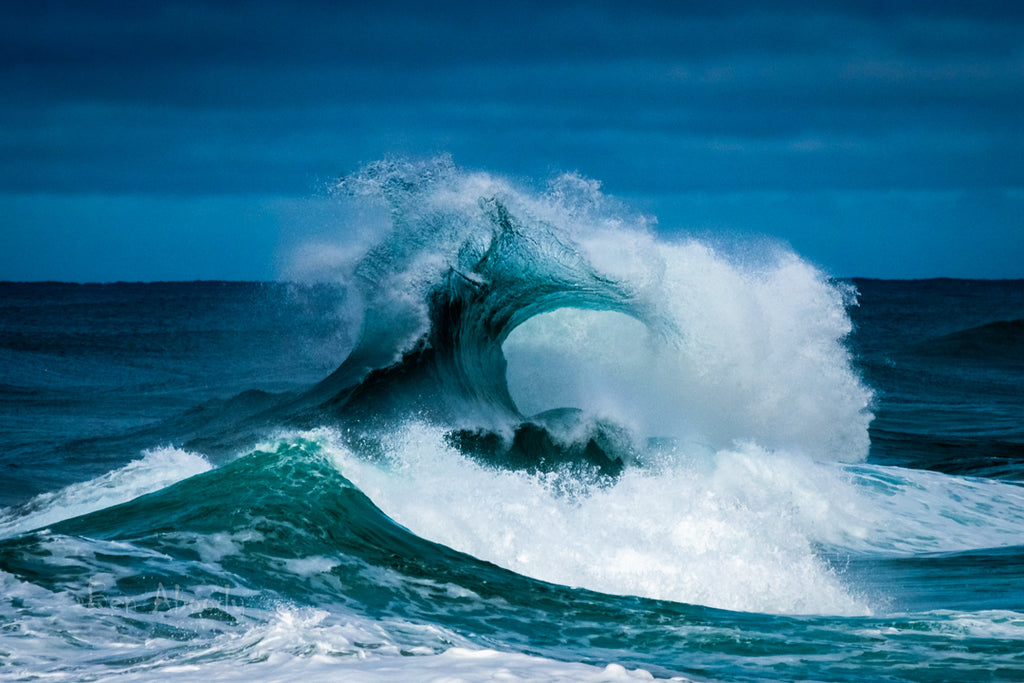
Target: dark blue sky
176	140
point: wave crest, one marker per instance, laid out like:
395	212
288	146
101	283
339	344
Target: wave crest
731	350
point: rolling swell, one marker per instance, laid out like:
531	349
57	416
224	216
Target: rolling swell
217	554
1001	341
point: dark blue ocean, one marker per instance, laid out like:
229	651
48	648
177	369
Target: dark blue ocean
497	434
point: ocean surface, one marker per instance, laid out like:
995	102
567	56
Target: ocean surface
504	434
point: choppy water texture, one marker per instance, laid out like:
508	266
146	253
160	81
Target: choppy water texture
515	435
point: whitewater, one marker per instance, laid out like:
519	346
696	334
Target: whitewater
490	431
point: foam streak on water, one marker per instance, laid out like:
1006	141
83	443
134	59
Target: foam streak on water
157	469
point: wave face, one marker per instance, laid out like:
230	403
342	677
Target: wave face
600	319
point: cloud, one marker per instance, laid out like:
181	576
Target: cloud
91	40
273	98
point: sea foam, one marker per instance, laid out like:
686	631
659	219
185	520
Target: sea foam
156	469
735	531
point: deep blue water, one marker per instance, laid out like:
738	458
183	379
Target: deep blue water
556	453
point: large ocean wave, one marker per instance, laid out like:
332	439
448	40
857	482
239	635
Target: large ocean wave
481	305
560	447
